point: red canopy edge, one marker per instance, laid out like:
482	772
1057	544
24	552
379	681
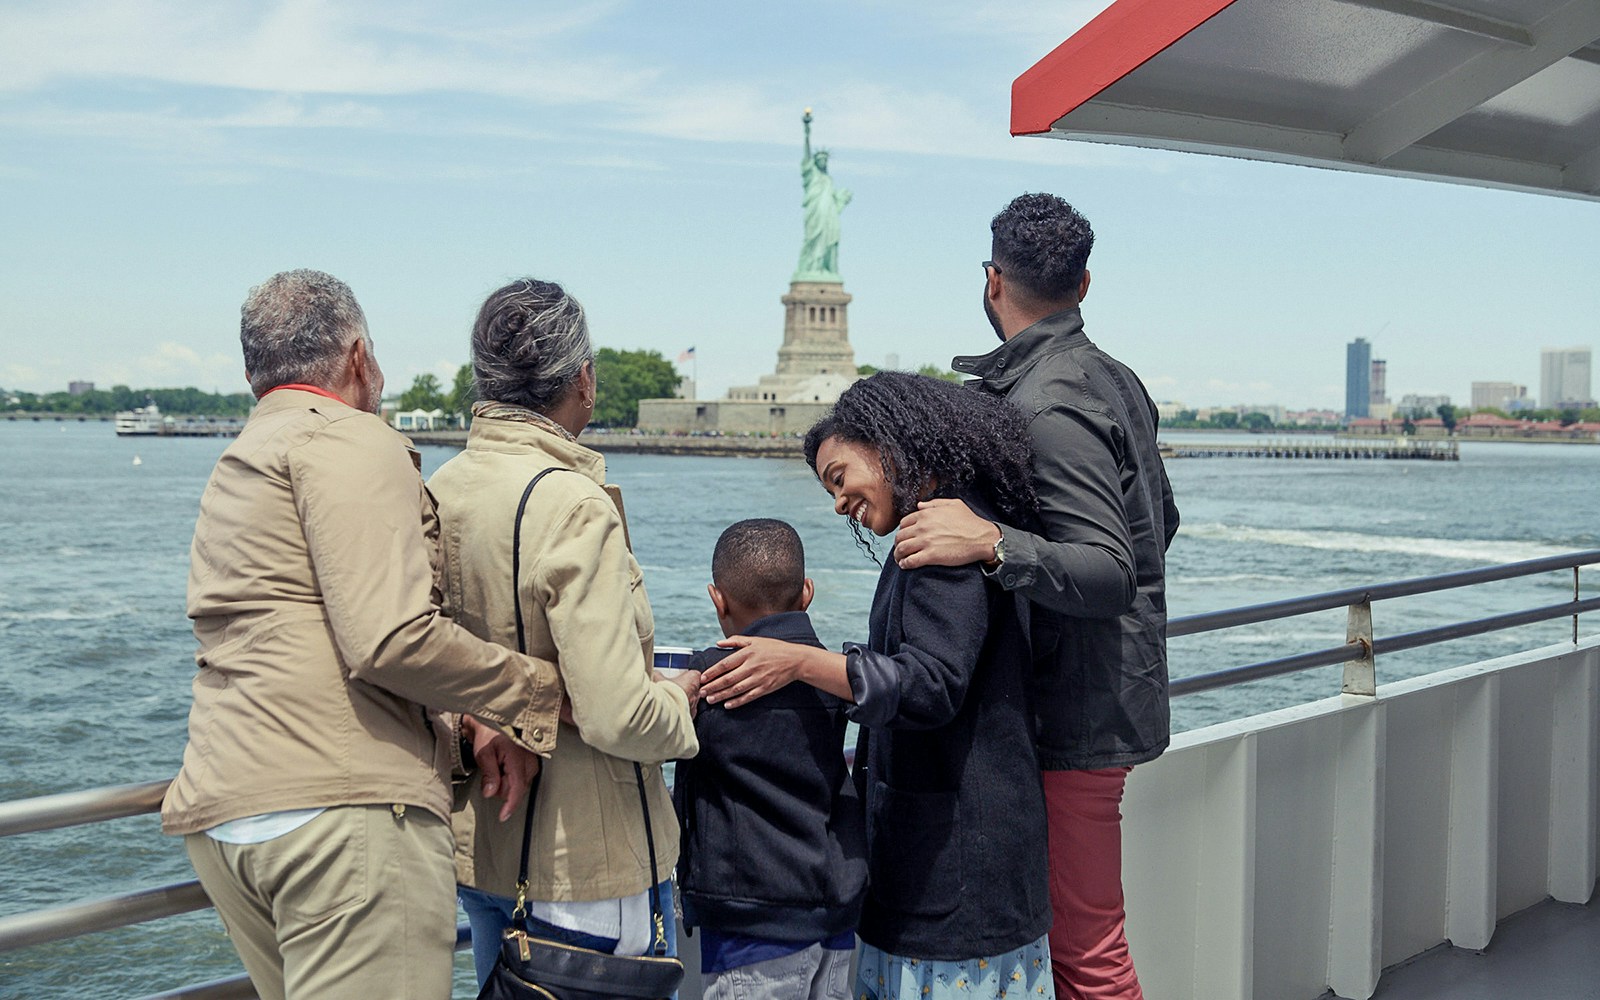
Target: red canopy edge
1121	39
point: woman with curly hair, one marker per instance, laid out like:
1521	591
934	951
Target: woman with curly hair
957	901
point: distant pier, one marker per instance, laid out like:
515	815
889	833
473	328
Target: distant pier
1387	449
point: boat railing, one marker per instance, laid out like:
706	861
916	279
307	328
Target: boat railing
1358	653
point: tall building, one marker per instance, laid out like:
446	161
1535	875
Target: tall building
1358	378
1379	393
1499	395
1422	405
1564	377
80	388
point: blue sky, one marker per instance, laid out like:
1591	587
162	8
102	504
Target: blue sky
158	158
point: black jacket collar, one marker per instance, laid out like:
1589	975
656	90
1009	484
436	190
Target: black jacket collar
789	626
1005	364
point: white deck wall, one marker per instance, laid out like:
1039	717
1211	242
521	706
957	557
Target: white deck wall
1284	855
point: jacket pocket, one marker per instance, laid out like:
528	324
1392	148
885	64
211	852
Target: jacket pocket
625	818
914	851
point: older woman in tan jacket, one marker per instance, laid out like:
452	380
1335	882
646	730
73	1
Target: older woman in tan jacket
583	605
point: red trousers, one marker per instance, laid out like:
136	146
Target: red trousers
1088	948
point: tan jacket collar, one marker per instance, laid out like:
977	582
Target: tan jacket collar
506	427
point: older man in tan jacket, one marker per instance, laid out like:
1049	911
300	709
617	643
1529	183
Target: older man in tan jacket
314	793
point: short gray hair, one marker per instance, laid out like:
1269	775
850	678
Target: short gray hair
530	342
295	326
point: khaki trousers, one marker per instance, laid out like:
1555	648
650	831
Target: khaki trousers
358	903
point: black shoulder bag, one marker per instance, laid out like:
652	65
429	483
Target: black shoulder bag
535	968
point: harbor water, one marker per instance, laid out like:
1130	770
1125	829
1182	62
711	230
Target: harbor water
96	654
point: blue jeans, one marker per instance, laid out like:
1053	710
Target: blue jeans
490	916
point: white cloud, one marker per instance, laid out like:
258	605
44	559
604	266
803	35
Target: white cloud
618	163
308	47
169	364
175	364
326	66
858	115
20	376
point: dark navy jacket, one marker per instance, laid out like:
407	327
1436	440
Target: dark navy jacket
955	809
773	840
1100	559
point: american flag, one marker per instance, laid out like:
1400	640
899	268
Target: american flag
686	356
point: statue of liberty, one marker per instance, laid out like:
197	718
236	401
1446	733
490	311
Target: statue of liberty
819	250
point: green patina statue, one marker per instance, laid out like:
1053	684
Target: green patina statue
819	250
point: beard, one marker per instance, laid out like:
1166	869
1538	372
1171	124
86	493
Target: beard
994	320
374	380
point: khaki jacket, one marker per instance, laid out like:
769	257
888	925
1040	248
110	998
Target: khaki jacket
313	592
584	606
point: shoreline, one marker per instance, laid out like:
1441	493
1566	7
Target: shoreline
652	444
627	442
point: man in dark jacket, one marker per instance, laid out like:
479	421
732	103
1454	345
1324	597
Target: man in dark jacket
772	867
1100	700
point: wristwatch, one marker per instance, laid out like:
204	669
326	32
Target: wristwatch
993	566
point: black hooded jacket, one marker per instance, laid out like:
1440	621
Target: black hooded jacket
774	843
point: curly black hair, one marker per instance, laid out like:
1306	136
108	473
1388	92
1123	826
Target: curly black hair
931	432
1042	243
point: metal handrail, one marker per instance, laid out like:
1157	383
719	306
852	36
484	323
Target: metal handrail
100	804
231	988
94	805
23	930
1255	614
1393	644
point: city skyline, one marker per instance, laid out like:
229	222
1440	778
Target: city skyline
160	164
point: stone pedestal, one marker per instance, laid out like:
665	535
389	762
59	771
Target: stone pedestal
816	361
816	330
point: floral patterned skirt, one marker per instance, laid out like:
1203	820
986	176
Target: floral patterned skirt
1023	974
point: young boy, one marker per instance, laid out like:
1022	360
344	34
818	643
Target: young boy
773	862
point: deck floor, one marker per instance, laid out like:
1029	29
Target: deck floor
1547	952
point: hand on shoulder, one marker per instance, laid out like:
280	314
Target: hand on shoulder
944	533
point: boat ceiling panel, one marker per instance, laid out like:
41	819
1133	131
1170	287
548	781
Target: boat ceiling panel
1497	92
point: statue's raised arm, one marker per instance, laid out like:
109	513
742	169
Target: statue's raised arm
822	203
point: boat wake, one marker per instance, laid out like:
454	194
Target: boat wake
1462	549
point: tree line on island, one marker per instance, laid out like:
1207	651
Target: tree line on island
624	377
105	402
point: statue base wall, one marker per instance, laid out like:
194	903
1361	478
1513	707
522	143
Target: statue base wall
815	364
728	416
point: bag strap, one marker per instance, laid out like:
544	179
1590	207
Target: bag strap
522	647
657	919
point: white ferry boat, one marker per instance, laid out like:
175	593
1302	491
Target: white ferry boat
141	421
1435	837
